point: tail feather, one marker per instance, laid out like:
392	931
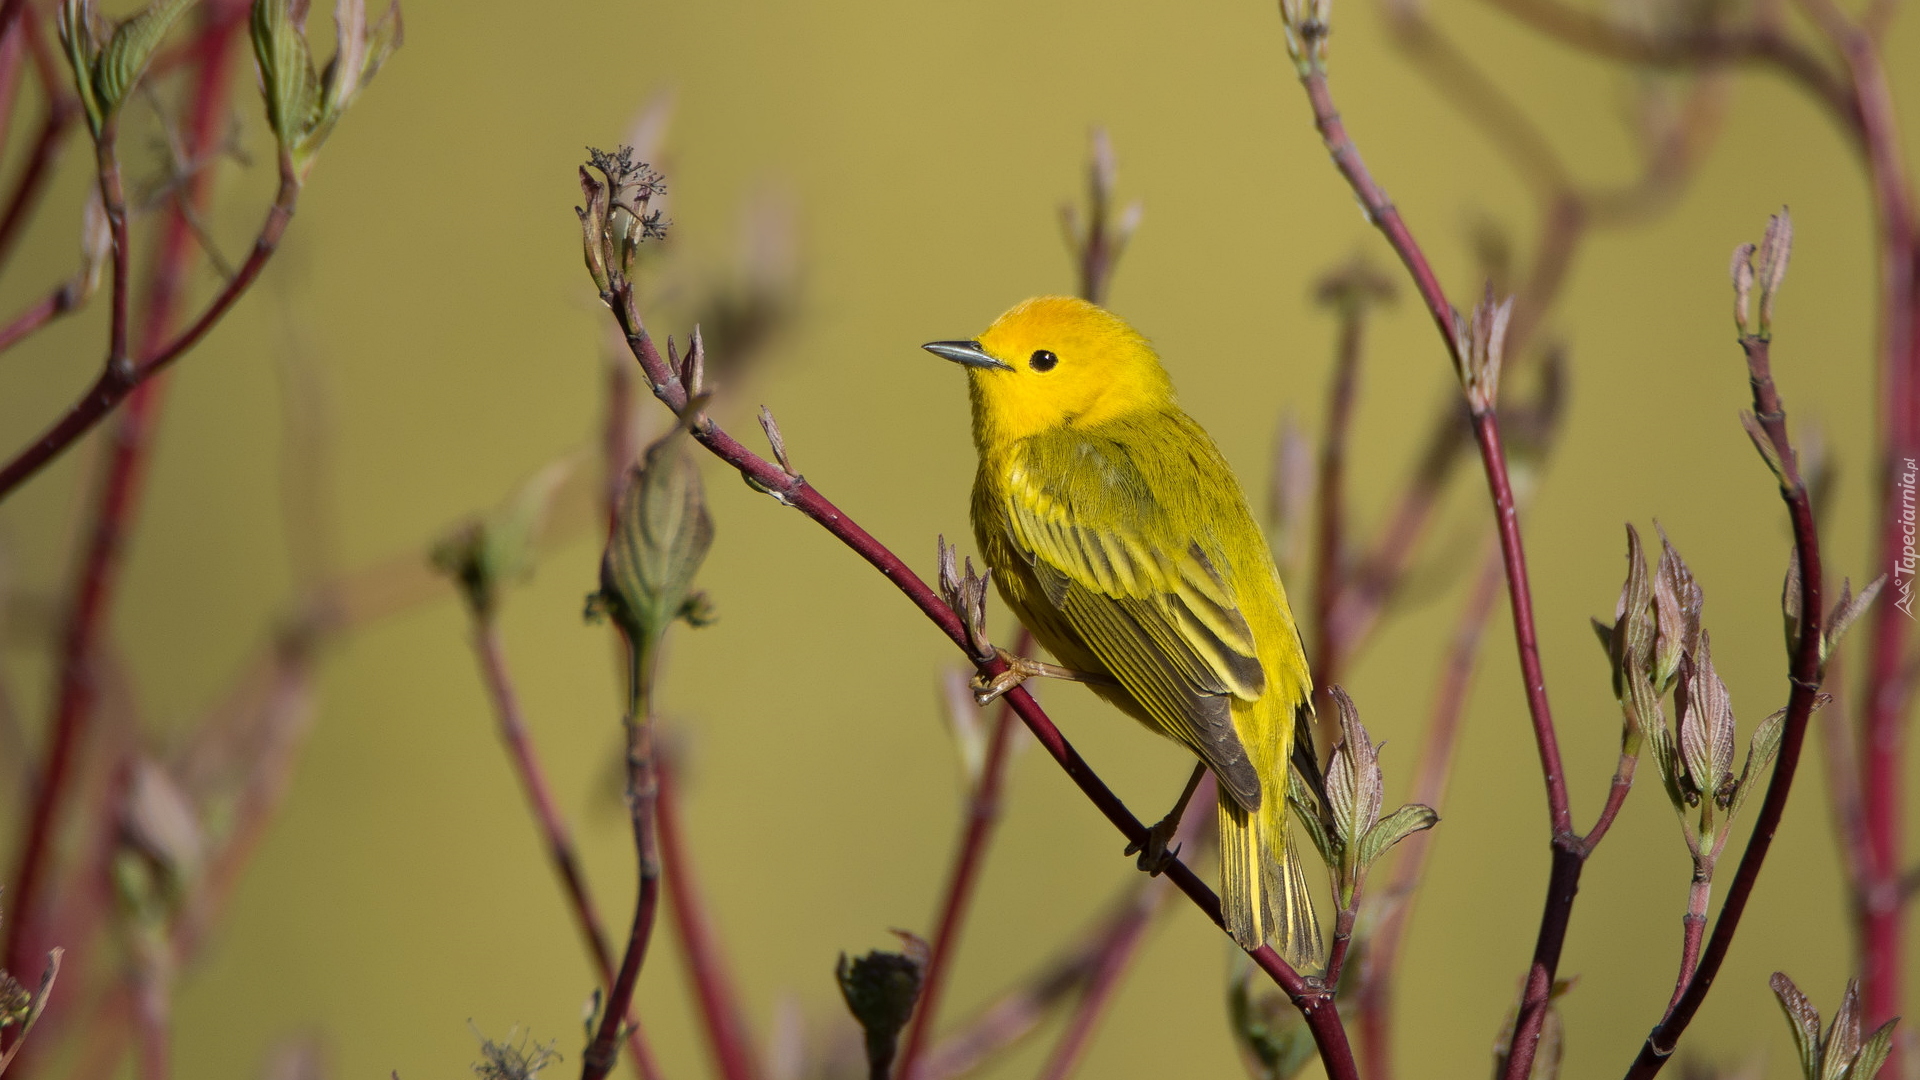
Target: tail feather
1264	895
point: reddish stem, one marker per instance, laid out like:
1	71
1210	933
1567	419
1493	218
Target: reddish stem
1804	676
983	813
57	303
727	1035
1693	928
553	824
642	793
119	491
1564	877
791	490
54	130
120	379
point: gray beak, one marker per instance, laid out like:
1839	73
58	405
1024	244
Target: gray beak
966	352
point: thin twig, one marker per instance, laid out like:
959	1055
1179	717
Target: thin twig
642	799
1705	47
553	825
1314	1003
728	1038
983	814
121	378
1887	690
1804	677
1567	859
125	467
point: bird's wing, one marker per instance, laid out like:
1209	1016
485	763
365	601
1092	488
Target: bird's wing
1146	597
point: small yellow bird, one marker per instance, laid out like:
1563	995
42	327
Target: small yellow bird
1119	536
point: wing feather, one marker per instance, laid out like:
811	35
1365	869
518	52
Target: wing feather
1142	596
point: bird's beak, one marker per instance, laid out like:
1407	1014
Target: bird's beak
966	352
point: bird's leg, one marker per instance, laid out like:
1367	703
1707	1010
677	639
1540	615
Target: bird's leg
1020	669
1154	855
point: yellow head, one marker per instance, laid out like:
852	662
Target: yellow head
1055	361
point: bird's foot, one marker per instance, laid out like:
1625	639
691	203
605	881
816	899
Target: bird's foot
1155	855
987	689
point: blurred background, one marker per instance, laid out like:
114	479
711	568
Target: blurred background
427	340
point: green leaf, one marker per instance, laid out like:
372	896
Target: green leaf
1873	1053
77	38
1802	1019
658	544
1393	828
1842	1043
1765	744
132	46
286	70
1849	609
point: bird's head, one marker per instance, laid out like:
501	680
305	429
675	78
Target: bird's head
1055	361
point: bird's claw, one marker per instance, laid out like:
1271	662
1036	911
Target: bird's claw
1155	855
989	688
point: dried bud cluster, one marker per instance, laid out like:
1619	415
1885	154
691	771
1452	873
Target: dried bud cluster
512	1059
1656	645
618	217
881	989
1351	835
1479	344
1841	1054
304	104
966	594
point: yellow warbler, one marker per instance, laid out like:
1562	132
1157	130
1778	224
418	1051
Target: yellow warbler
1119	536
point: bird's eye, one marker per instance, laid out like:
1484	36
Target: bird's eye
1042	360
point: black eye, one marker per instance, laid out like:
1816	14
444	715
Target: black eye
1042	360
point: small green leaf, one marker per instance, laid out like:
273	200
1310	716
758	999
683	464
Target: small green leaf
1802	1019
1849	609
1873	1052
131	47
286	70
1842	1043
77	37
1765	744
1393	828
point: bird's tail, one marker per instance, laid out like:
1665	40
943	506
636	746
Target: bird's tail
1263	887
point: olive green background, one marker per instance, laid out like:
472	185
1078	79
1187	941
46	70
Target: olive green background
432	284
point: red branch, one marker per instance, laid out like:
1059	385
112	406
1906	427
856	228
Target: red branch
125	468
983	813
553	824
726	1030
1804	676
1314	1003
